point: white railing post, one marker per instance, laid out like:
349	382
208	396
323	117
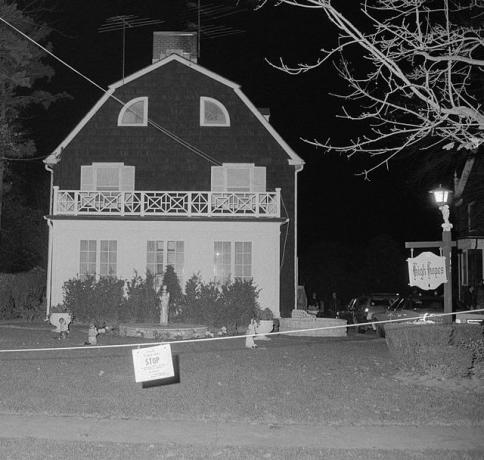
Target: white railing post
257	203
76	202
278	199
142	203
121	201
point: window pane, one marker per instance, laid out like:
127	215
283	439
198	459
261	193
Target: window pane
107	178
134	114
214	114
87	266
154	257
222	260
108	258
243	260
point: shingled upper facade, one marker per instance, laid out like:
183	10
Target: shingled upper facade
175	166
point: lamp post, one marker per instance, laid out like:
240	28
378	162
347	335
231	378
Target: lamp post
441	196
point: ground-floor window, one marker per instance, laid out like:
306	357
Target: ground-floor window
89	258
108	258
160	254
232	259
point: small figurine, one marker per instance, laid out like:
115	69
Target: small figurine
63	329
91	335
249	340
164	302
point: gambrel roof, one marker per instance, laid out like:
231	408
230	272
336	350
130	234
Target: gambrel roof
293	159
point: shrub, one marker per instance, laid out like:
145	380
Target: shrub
92	300
231	304
22	295
170	280
141	303
264	315
448	349
239	300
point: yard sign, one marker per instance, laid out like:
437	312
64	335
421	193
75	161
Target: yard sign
427	271
153	363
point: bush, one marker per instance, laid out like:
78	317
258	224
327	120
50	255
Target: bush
448	349
141	303
239	300
231	304
22	295
92	301
170	280
264	315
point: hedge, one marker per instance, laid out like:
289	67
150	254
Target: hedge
451	350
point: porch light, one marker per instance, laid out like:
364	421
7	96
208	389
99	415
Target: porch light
441	195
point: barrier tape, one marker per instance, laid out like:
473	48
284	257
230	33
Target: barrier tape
212	339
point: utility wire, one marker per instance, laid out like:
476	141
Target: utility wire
165	131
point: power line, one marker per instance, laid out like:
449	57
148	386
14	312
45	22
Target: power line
165	131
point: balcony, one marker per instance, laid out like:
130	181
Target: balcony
155	203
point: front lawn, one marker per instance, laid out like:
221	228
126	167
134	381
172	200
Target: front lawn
350	380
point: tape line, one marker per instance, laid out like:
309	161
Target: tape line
212	339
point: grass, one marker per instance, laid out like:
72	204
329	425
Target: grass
286	380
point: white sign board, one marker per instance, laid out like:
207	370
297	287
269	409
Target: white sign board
427	271
153	363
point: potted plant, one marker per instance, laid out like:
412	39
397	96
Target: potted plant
265	321
57	312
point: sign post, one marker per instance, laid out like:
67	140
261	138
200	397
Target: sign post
446	278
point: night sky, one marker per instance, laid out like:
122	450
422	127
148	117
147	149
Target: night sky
334	203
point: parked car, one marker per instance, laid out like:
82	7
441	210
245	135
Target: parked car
378	302
361	309
470	318
413	308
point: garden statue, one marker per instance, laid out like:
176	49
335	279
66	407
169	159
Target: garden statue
249	339
164	302
91	335
63	328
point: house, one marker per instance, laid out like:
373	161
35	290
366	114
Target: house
469	222
175	166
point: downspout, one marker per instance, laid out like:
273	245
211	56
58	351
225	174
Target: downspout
50	246
298	169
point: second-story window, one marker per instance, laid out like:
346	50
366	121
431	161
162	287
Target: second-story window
134	113
238	177
213	113
107	177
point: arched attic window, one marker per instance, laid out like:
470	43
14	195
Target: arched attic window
213	112
134	113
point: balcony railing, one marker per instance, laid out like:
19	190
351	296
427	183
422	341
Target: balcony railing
146	203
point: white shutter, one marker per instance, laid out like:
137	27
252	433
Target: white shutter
87	178
259	184
127	178
218	184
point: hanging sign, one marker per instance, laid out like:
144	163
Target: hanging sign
153	363
427	271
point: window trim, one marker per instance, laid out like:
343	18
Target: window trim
128	105
164	262
203	100
97	252
232	264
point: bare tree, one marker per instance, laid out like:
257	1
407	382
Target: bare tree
420	77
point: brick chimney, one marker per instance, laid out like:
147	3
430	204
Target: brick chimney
182	43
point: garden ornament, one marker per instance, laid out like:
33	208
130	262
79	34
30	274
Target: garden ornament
249	340
63	328
164	302
92	335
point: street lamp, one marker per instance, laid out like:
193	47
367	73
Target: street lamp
441	196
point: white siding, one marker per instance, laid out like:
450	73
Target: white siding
198	237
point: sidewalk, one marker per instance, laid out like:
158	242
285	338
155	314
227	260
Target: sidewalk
408	438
